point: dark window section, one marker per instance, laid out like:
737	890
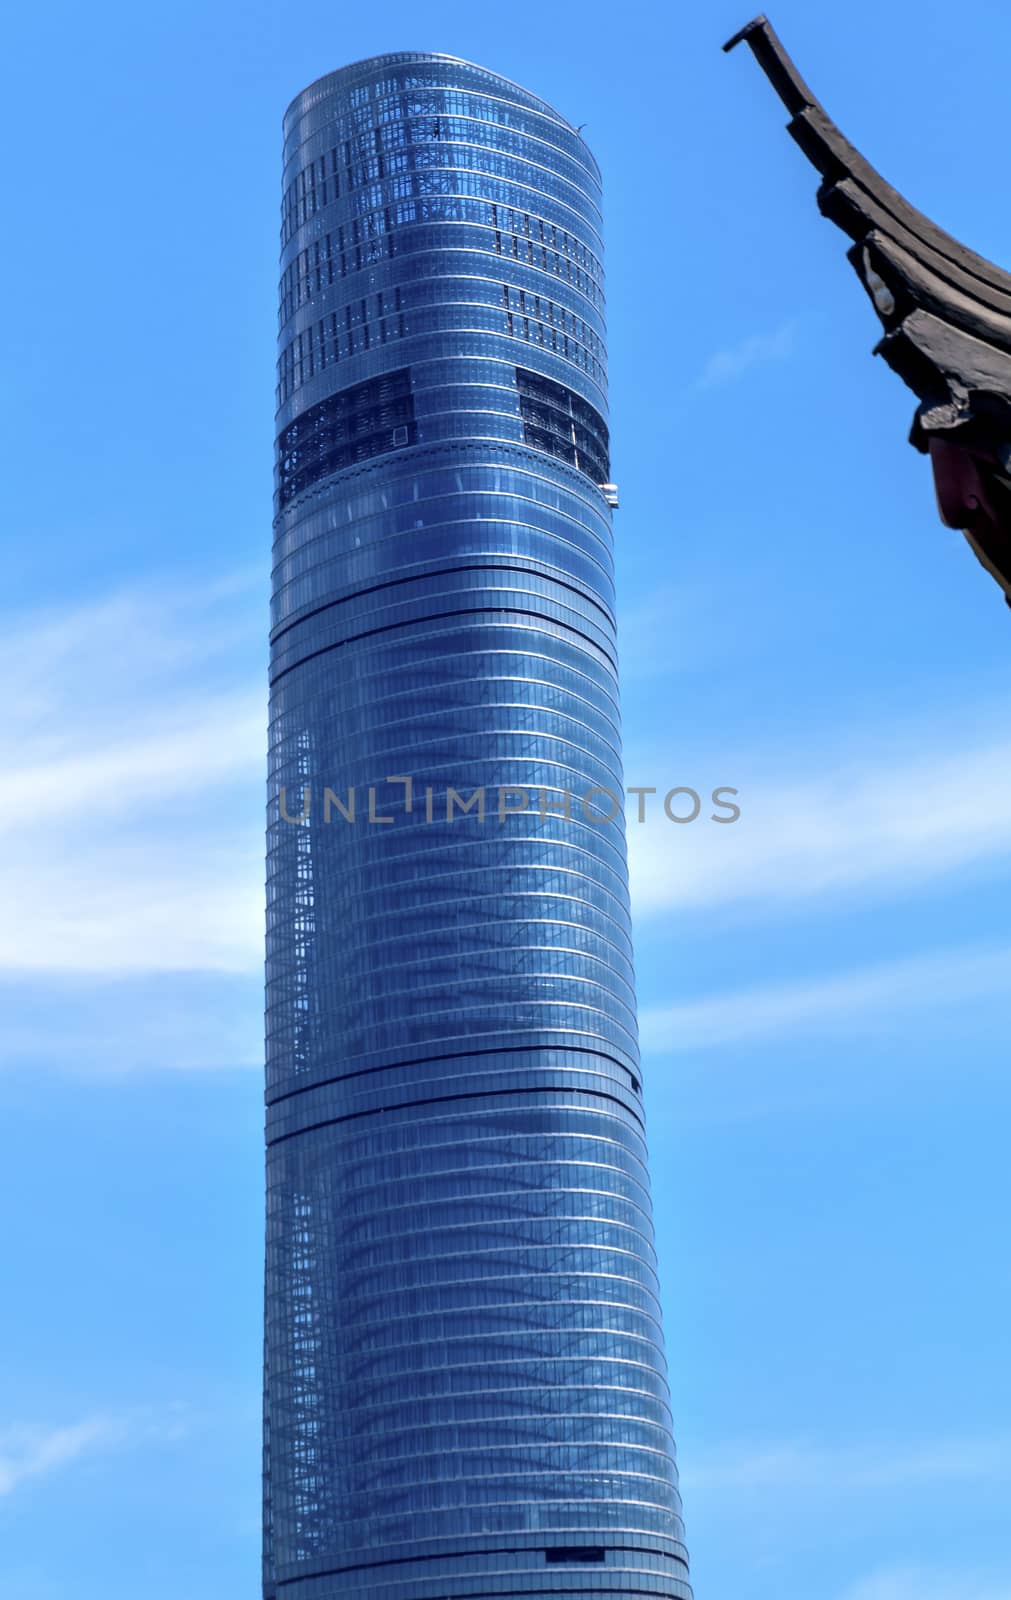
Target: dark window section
575	1552
352	425
564	424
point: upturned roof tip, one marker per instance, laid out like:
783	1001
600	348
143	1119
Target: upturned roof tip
945	312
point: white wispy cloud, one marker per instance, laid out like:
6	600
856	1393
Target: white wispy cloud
100	1026
708	637
757	350
924	1583
65	668
151	903
131	801
192	746
811	1477
29	1451
870	1467
906	813
845	1001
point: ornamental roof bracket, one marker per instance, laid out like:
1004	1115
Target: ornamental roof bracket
945	311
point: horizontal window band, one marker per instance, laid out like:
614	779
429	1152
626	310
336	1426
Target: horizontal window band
504	565
435	1060
412	624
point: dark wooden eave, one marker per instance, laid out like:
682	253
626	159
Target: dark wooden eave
946	314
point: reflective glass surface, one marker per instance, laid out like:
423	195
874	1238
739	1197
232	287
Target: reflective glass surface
465	1390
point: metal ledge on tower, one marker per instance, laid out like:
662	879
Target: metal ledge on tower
945	311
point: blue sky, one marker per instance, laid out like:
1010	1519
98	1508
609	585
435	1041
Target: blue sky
824	987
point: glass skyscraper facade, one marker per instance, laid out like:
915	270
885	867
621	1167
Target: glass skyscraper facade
465	1388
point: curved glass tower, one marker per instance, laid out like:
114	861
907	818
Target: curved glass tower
464	1369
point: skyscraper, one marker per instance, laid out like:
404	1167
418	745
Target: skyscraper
465	1390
